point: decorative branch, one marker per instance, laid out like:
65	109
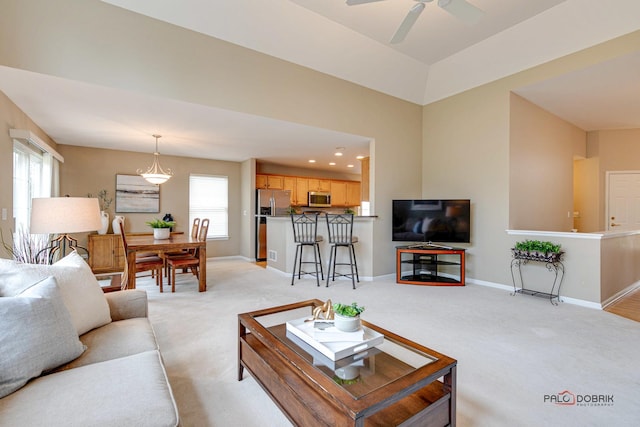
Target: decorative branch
27	248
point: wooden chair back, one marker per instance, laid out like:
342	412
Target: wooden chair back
125	274
204	229
195	227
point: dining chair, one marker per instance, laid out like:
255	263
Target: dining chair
188	261
152	263
341	236
195	227
305	234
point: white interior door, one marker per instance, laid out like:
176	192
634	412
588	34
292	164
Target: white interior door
623	204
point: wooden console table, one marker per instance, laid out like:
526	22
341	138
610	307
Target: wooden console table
425	263
106	254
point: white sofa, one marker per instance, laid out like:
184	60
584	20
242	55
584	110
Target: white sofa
71	355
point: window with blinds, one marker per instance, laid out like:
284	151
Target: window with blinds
34	175
209	198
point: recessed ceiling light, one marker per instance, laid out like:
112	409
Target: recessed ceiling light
338	153
359	157
312	161
332	163
349	166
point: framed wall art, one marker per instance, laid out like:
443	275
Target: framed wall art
135	194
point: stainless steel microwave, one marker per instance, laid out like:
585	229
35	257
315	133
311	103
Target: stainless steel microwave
319	199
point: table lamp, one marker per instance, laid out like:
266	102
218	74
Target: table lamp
64	215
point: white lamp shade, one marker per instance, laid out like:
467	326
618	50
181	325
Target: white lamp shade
61	215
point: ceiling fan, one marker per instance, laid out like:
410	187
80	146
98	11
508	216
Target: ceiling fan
461	9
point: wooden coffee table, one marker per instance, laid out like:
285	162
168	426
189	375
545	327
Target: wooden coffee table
396	383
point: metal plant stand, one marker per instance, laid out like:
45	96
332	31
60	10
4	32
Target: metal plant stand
552	263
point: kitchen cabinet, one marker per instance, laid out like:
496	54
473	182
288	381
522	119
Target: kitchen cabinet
343	193
353	193
316	184
289	183
302	190
338	193
271	182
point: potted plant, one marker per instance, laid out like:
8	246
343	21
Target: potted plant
537	250
161	229
346	318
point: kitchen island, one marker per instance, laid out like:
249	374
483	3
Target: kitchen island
281	248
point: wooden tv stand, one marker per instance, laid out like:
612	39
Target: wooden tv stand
423	264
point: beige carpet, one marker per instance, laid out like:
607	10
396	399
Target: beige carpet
511	350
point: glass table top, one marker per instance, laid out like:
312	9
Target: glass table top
360	373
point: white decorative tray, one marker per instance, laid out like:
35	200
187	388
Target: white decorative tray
333	350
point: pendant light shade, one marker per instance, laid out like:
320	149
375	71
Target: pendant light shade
155	174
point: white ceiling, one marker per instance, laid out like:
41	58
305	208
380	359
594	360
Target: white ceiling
76	113
349	42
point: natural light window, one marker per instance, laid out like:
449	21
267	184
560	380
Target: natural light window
209	198
34	175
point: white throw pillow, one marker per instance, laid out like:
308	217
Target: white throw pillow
36	335
80	290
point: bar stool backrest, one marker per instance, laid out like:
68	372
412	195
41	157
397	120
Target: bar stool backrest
305	228
340	228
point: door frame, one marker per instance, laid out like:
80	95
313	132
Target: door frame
606	193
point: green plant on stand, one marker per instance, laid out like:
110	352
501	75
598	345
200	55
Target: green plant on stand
537	249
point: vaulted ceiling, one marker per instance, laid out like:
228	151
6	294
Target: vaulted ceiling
440	56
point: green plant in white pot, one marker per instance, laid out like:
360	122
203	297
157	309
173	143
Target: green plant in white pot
161	229
347	317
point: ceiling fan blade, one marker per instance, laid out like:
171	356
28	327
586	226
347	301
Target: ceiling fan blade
355	2
462	10
407	23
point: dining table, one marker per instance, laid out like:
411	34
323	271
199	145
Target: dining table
176	242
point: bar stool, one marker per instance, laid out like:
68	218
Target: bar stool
305	233
341	235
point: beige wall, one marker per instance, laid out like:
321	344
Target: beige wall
89	170
11	117
466	153
542	149
612	150
586	190
112	47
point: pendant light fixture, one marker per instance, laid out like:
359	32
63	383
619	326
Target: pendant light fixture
155	174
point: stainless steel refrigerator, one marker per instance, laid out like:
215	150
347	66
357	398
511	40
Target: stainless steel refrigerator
268	203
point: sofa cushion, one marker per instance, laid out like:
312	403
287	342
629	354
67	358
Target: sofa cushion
129	391
117	339
36	335
79	288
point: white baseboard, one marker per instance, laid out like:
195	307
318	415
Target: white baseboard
620	294
568	300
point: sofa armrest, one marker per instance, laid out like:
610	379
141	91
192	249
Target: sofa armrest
127	304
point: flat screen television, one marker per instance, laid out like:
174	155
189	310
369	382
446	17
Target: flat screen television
435	220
